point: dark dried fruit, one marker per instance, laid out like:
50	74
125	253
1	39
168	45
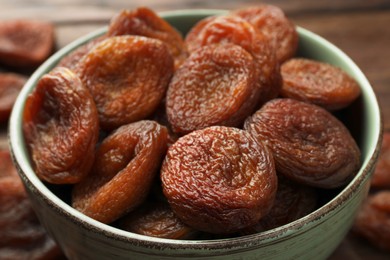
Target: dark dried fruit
219	179
318	83
279	31
127	76
22	236
373	220
214	86
234	30
10	86
25	43
126	164
292	201
156	220
309	144
145	22
381	176
60	125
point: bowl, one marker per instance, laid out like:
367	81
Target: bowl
314	236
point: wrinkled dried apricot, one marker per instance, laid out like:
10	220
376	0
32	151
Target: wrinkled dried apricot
381	176
156	220
234	30
222	176
127	76
22	236
10	85
25	43
292	201
60	125
319	83
373	220
145	22
126	164
279	31
309	144
212	87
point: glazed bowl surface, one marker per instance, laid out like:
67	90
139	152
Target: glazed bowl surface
314	236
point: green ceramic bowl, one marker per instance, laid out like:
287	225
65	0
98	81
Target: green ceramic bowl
314	236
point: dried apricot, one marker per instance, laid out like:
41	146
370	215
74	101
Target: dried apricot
22	236
219	179
10	85
214	86
309	144
292	201
60	125
145	22
319	83
373	220
127	76
381	176
126	164
25	43
156	220
234	30
279	31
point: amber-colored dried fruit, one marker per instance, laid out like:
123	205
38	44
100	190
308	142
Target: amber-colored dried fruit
212	87
292	201
309	144
22	236
72	60
25	43
319	83
60	125
10	86
127	76
219	179
277	28
125	166
156	220
381	176
145	22
373	220
235	30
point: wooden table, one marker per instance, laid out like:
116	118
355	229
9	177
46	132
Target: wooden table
359	27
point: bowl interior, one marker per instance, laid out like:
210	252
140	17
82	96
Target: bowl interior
362	118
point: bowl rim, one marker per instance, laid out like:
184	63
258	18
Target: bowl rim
37	187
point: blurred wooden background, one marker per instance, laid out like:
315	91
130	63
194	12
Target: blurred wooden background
361	28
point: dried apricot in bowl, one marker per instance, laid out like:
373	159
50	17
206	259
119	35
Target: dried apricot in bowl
60	125
222	176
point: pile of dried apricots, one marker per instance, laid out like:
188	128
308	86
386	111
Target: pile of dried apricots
221	133
181	137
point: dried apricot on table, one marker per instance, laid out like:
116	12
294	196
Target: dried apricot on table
22	236
381	175
126	164
145	22
292	201
10	86
373	220
277	28
219	179
234	30
127	76
156	219
212	87
25	43
319	83
60	125
309	144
